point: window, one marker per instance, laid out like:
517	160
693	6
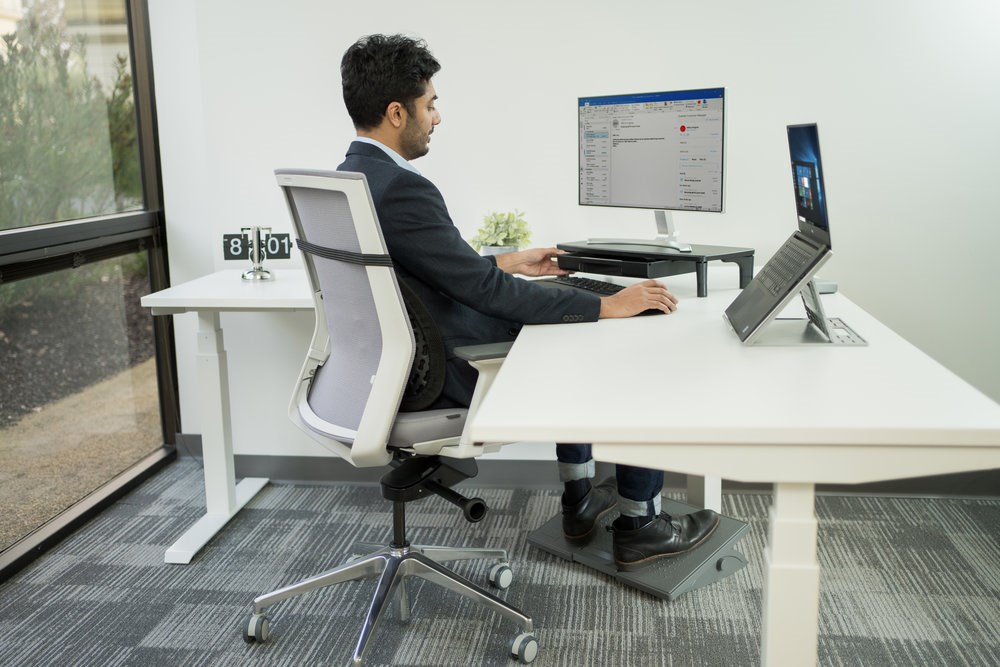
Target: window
82	406
68	119
82	413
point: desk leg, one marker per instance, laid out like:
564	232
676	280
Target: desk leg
223	497
705	492
791	586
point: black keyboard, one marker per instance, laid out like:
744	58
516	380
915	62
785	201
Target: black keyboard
599	287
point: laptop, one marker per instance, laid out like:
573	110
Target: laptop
790	272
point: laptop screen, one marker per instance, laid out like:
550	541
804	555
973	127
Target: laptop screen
808	182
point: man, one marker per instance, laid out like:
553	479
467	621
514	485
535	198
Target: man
392	102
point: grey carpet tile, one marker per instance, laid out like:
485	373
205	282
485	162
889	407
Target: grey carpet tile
904	582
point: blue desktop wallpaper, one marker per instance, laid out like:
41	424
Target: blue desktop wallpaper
807	175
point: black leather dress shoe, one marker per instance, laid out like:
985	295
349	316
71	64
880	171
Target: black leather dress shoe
579	520
662	537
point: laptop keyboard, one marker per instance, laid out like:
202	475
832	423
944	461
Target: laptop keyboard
786	265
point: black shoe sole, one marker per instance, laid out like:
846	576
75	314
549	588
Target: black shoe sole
646	562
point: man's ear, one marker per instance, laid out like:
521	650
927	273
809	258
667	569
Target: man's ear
395	113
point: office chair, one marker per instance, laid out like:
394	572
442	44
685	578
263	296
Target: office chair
374	351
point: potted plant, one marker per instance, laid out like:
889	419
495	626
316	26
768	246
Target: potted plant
501	232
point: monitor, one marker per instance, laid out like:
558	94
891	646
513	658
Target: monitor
661	151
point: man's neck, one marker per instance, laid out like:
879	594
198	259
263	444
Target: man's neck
394	155
387	139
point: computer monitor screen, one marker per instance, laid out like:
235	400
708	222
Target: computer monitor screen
653	150
807	174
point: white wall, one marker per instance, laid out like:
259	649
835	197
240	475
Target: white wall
906	94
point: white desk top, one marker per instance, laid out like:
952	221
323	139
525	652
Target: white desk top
685	380
227	291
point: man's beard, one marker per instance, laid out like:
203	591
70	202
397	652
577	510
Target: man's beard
414	142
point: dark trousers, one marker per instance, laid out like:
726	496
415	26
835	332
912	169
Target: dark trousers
633	483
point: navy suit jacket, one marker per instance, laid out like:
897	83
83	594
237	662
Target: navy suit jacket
471	300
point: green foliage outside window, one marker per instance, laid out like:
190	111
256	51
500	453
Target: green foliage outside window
68	149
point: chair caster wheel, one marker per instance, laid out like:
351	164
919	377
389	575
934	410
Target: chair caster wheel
257	629
501	575
524	648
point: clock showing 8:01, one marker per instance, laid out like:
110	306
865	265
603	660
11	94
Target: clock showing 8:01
237	246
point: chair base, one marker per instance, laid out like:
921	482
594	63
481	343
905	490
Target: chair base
408	480
393	566
716	559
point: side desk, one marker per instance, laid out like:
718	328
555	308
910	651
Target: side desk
223	291
680	392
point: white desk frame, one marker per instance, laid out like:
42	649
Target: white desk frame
680	392
208	296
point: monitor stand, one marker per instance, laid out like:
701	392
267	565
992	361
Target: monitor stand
666	235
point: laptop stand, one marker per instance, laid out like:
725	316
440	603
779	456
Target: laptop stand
815	329
667	578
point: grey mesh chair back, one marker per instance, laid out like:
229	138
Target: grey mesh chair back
353	379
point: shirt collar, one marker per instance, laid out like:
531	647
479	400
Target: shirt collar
396	157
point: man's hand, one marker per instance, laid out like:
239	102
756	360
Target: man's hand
532	262
639	297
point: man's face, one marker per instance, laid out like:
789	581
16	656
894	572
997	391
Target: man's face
416	135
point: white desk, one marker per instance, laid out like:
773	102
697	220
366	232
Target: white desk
208	296
679	392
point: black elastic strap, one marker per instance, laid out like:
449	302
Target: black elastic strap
344	255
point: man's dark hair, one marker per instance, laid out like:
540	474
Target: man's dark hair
380	69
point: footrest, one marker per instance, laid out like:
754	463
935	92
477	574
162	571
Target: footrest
667	578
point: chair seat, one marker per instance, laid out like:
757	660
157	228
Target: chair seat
426	425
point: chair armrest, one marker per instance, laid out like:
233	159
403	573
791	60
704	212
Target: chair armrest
483	352
486	359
